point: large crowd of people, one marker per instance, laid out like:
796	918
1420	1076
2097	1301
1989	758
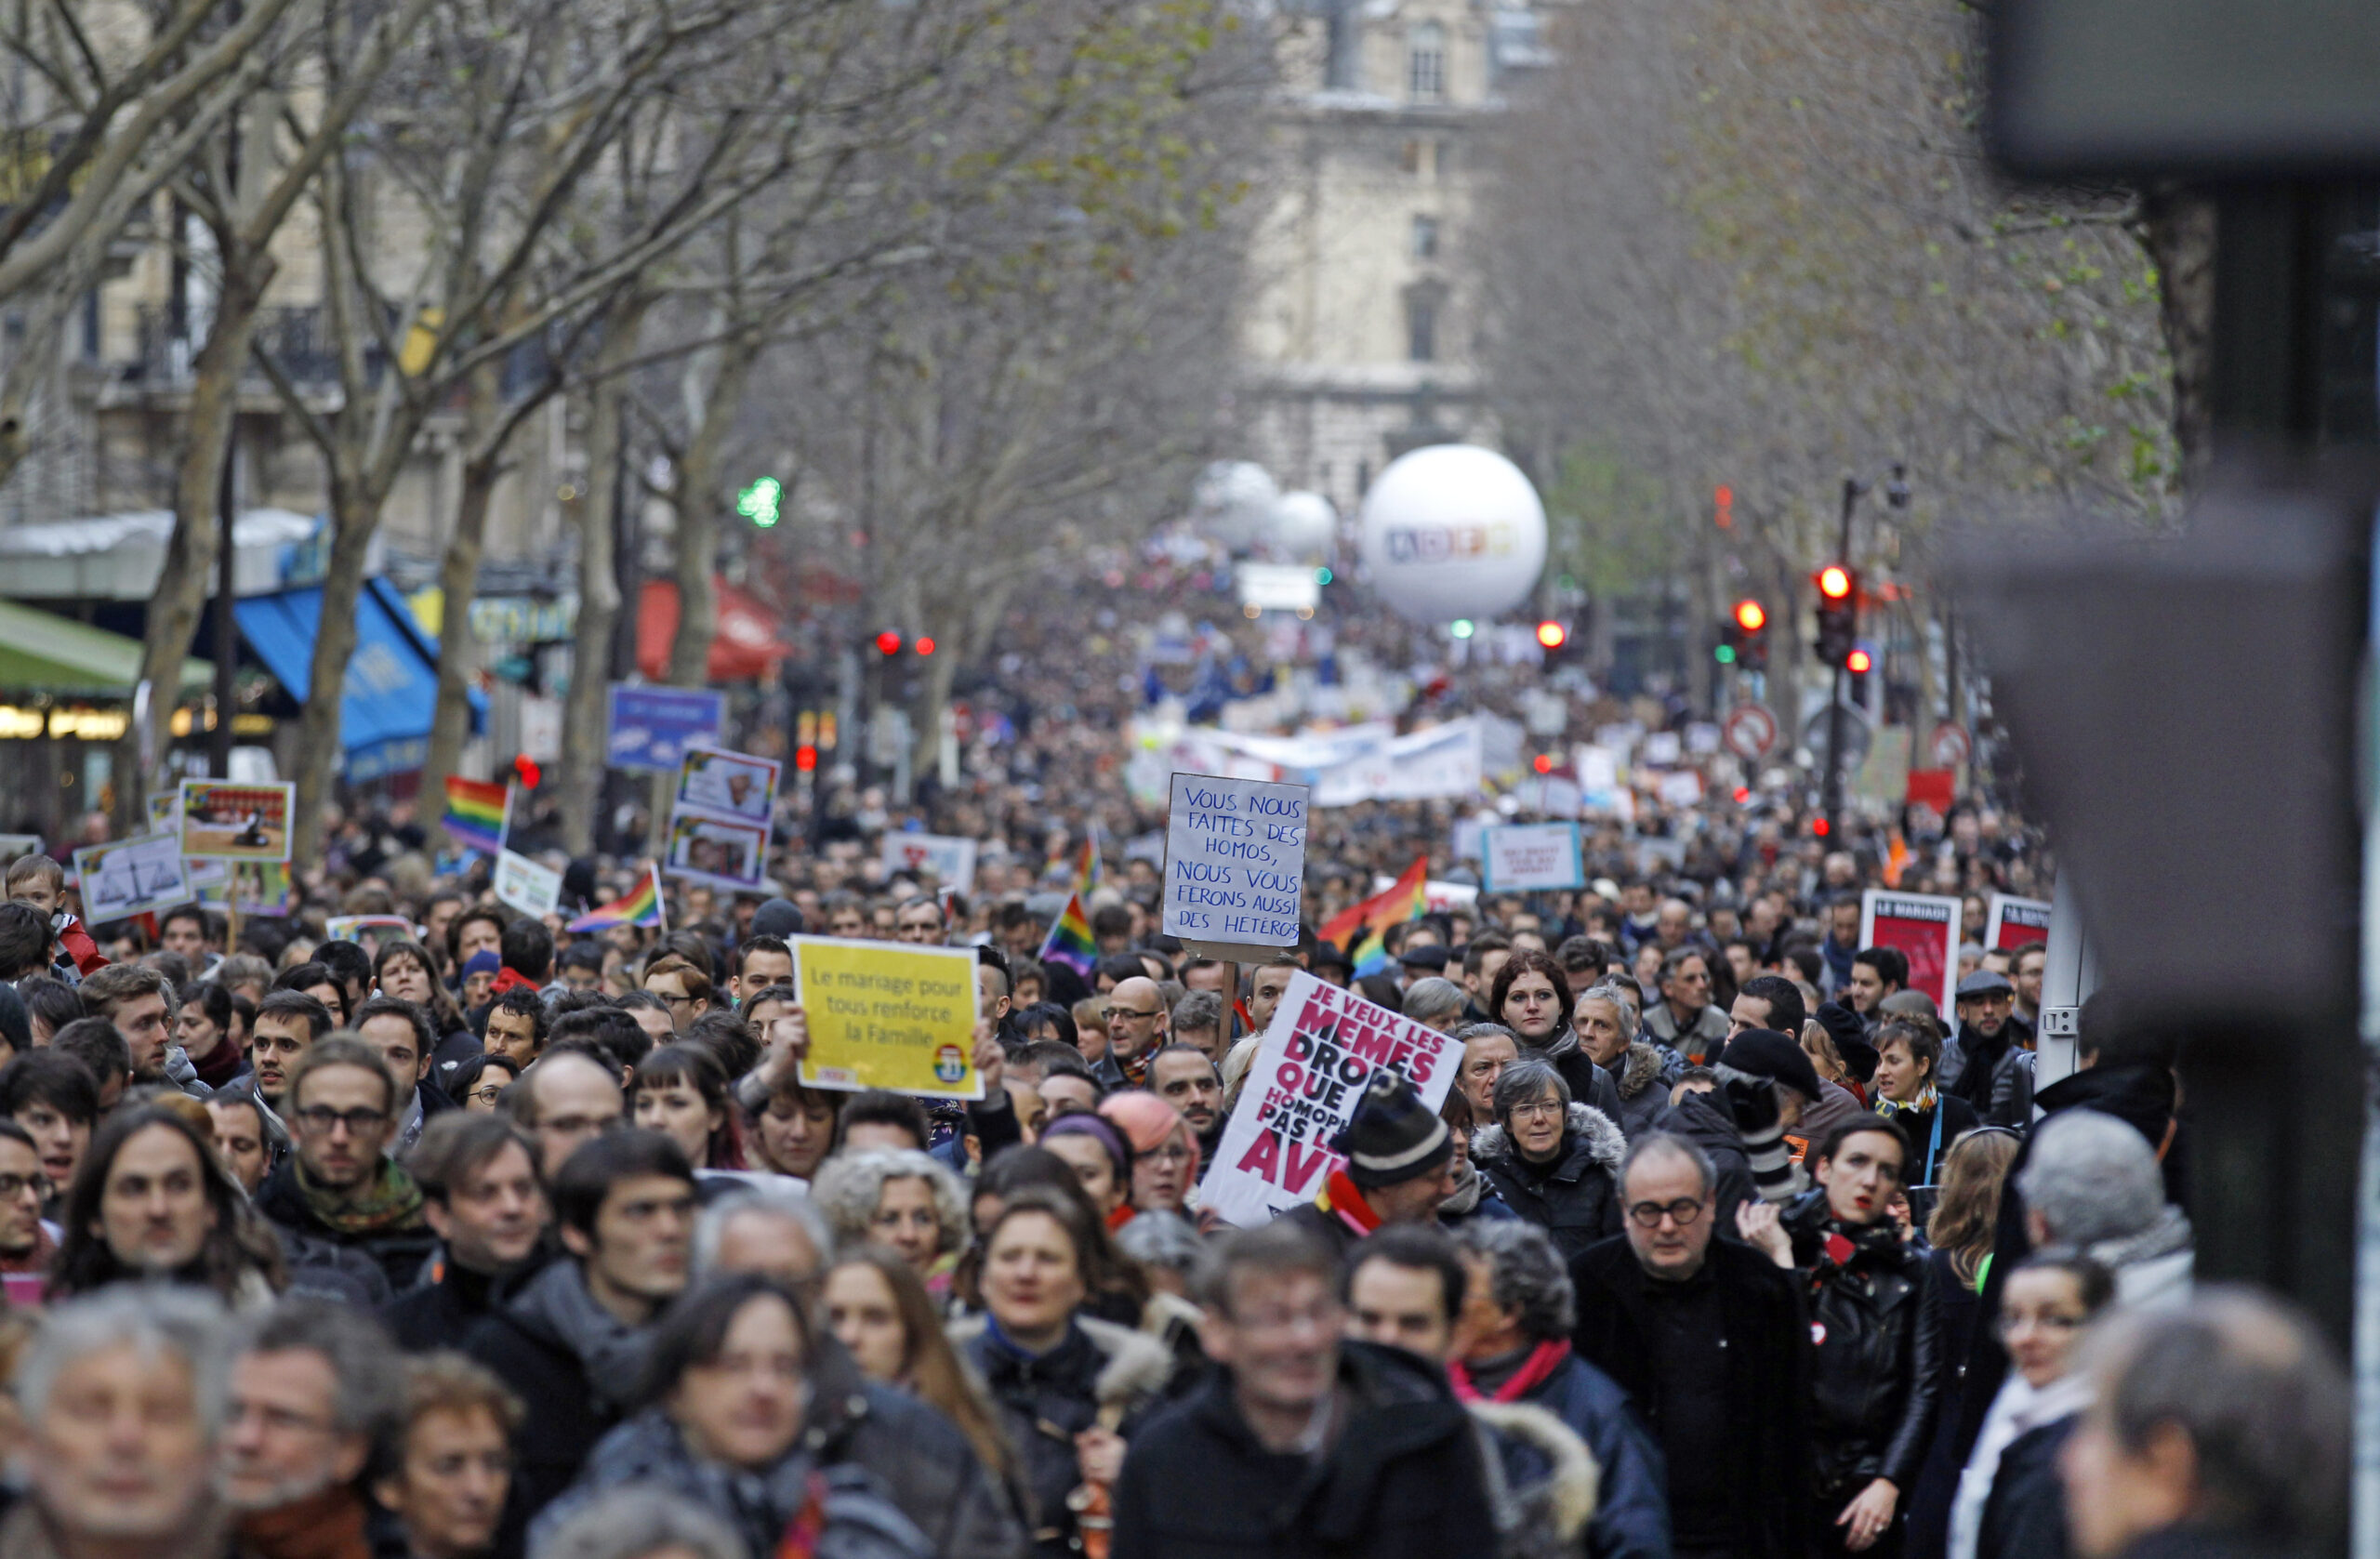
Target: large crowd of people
476	1236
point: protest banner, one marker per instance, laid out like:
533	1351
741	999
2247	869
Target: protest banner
526	886
887	1014
1234	866
131	877
721	783
161	813
723	851
649	728
1310	1069
951	860
1925	928
1522	857
14	845
2017	922
371	932
225	820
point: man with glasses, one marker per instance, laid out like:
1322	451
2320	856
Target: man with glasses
1708	1335
1300	1441
1137	1021
1684	1018
572	1342
27	1246
311	1396
339	1184
563	1102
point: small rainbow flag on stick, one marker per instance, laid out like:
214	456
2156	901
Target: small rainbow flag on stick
1361	929
640	906
1069	941
479	813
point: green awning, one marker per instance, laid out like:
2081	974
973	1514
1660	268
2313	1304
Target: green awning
40	652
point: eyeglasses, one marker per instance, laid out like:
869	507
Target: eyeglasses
486	1093
1540	1108
673	1001
1648	1215
1174	1154
321	1118
1114	1013
14	1186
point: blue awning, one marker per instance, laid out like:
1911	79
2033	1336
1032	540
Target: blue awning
391	686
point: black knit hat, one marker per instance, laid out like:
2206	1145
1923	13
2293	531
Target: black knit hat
1850	1037
1771	1054
1392	1137
778	918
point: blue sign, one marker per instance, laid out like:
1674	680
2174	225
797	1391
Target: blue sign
651	728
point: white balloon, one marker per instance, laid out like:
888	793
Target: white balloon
1303	525
1234	501
1453	531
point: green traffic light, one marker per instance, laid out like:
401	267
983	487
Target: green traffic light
1460	627
760	502
1322	576
1724	654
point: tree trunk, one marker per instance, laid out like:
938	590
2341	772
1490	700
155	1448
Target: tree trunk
583	750
2178	233
354	516
458	574
192	551
698	494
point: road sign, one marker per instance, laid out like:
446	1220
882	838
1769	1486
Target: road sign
1750	731
1856	737
1951	745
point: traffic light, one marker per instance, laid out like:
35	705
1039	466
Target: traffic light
763	502
1723	506
1859	662
525	770
1553	635
1838	614
924	645
888	643
1750	620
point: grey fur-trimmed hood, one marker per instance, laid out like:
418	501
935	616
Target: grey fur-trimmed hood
1548	1517
1644	1069
1606	1144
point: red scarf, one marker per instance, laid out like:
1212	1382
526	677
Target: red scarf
1343	1199
1542	1361
510	980
1124	1213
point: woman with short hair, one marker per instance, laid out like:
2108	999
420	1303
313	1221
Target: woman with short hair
1552	1161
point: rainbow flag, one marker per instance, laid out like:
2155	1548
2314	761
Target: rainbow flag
1069	941
1361	929
1088	873
640	906
478	813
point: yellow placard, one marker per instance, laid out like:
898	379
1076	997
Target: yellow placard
888	1014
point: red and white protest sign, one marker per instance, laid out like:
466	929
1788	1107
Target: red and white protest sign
1309	1071
1925	928
2016	922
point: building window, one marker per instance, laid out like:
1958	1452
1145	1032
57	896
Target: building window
1425	63
1425	238
1422	327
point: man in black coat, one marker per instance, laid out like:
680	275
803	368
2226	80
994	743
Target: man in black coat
1710	1338
1301	1444
339	1186
481	1196
572	1343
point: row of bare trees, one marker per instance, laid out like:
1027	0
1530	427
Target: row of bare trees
1757	243
957	265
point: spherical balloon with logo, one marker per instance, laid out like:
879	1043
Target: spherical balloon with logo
1453	531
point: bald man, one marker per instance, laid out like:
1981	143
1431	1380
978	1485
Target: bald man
1137	1022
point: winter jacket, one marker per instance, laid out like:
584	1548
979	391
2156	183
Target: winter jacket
2025	1517
1643	1079
859	1519
1704	1037
1407	1476
1702	1119
1994	1073
1578	1200
440	1312
1631	1519
1956	1310
926	1466
1543	1483
1473	1198
1876	1372
400	1252
1590	1085
1766	1369
1045	1401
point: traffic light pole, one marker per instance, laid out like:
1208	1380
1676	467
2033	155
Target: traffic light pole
1831	795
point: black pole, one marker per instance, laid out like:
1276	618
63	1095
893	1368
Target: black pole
226	633
1852	488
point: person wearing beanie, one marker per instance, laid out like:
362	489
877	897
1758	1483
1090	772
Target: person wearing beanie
1400	1166
1852	1040
1765	1084
479	978
778	918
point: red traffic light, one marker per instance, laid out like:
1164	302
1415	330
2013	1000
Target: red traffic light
1723	506
805	758
888	643
1858	661
1553	635
524	769
1544	764
1834	582
1751	615
1819	826
925	645
1743	793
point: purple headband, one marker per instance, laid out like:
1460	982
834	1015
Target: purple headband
1085	1125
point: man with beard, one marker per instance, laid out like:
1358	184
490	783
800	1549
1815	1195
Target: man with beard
1183	1077
1985	1066
316	1388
